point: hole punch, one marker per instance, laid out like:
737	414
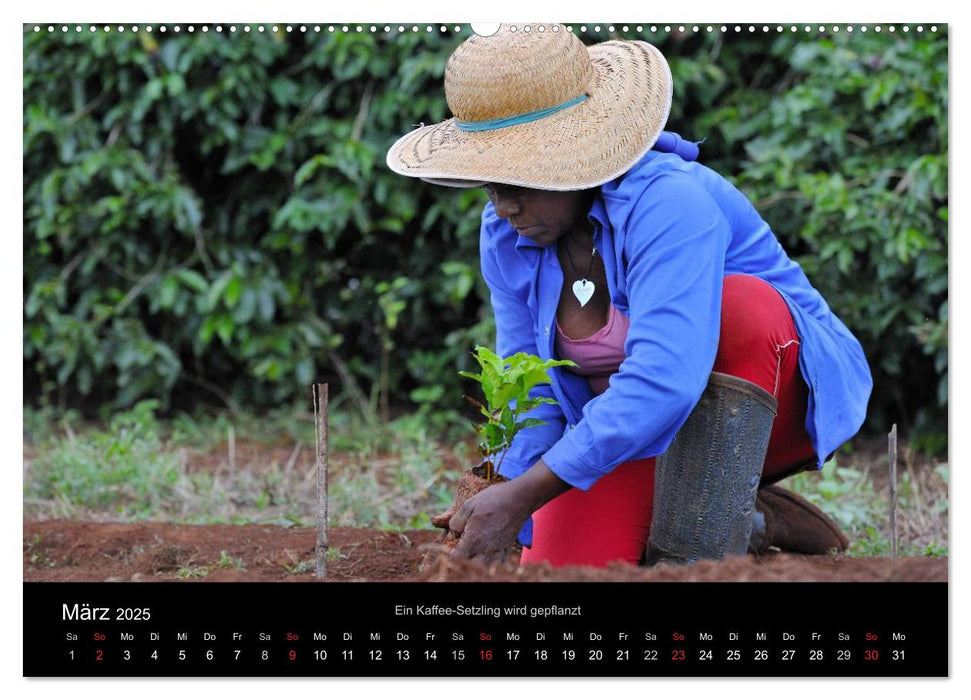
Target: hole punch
485	28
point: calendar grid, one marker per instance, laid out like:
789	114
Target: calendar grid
347	630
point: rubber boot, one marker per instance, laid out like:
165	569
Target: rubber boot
705	484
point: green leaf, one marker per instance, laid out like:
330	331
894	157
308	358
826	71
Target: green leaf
193	280
232	292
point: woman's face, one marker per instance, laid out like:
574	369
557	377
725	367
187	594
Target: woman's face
540	215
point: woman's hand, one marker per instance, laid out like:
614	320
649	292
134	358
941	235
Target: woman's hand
487	523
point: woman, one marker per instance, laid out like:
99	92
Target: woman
707	363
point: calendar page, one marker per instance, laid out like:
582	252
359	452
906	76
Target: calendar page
461	350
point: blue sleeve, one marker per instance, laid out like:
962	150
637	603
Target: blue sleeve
515	332
675	246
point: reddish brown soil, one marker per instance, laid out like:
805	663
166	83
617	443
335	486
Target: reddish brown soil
88	551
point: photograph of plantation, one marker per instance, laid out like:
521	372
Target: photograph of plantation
210	228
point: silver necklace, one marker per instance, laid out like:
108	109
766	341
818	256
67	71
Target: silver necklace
583	288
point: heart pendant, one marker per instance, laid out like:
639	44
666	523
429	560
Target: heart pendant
583	291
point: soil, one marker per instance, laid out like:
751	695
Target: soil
65	550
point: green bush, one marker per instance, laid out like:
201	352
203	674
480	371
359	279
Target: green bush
841	142
208	217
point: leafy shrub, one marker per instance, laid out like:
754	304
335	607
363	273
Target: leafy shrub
209	216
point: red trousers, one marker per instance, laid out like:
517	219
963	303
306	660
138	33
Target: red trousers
612	520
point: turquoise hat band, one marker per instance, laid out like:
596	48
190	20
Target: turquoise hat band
490	124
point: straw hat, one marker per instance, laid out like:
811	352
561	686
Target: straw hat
534	107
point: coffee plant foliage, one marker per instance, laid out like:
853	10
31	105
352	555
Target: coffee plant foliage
208	218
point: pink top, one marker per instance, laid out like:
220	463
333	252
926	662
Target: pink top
599	355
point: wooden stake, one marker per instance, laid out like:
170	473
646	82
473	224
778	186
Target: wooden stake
320	425
231	446
892	449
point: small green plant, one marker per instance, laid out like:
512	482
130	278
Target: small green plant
187	572
227	561
38	558
506	383
297	567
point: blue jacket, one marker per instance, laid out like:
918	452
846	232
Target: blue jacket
669	230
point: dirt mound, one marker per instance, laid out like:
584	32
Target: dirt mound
87	551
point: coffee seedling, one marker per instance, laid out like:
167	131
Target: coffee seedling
506	383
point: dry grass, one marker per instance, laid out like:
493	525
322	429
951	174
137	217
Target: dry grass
139	469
